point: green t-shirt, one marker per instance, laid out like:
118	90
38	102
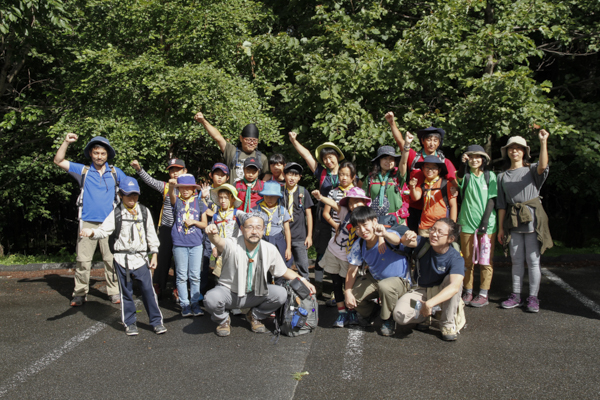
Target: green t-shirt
392	191
474	202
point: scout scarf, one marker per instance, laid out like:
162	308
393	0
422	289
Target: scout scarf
291	201
187	215
430	196
252	258
384	180
247	200
223	223
134	212
270	212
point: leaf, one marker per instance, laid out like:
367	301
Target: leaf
298	375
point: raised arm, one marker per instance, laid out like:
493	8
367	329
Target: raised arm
303	151
403	166
148	180
213	235
543	163
59	158
389	117
212	131
415	191
172	196
326	200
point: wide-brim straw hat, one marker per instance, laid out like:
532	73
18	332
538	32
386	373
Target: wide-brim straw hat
477	150
433	160
214	194
331	145
516	140
355	193
385	151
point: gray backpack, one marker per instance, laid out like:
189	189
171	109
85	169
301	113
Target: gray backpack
299	314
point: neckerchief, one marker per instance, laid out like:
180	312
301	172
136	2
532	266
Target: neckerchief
430	197
291	201
134	212
351	237
346	190
251	260
270	212
223	225
247	200
186	203
384	181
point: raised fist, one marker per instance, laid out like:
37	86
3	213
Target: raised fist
70	138
409	138
543	135
292	136
136	165
389	117
199	117
316	194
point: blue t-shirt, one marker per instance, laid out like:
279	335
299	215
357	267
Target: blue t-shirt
434	267
278	217
182	236
98	191
382	266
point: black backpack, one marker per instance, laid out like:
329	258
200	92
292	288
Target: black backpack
118	213
299	314
443	187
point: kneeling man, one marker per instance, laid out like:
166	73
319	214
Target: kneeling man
243	281
439	276
387	275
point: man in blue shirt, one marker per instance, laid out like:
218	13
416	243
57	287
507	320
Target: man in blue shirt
96	201
388	273
439	276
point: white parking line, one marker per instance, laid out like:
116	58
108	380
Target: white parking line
574	292
353	356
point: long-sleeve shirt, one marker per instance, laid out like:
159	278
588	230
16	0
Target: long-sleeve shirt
162	187
132	238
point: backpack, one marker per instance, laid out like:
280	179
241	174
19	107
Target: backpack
232	167
416	258
112	239
486	175
299	314
79	202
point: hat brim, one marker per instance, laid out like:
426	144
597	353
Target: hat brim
479	153
175	166
124	193
178	185
443	168
214	196
330	145
385	155
109	150
263	193
503	150
344	201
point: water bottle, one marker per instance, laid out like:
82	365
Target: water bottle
418	306
299	318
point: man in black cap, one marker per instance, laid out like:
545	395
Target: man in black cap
235	156
99	182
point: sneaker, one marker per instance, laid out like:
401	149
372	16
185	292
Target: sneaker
479	301
131	330
186	311
533	304
513	301
449	334
467	297
341	321
331	302
158	329
224	329
196	310
115	298
78	301
387	327
255	324
352	318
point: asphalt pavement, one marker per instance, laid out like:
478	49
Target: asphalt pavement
50	350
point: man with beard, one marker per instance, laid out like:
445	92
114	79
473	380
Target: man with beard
243	281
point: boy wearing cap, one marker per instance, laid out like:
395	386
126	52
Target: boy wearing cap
175	167
235	156
133	243
297	200
98	197
250	187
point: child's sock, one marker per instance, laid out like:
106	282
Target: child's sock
342	309
483	293
469	291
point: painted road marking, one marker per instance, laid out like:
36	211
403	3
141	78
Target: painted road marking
571	290
353	355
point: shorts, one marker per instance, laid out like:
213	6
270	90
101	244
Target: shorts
333	265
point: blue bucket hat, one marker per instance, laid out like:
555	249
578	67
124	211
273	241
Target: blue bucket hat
129	185
99	140
271	188
186	180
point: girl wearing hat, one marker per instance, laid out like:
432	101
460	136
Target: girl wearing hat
386	181
478	189
522	221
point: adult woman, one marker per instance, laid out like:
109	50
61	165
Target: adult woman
522	221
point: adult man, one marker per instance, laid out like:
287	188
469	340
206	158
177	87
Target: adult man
235	156
99	184
439	276
243	281
388	275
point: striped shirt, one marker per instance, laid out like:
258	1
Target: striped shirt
167	209
336	195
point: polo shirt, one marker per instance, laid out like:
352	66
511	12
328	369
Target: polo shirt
434	266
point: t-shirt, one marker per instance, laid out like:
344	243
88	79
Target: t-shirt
434	266
326	186
475	200
98	191
278	216
372	187
182	235
336	195
520	185
242	188
236	169
340	244
298	222
413	173
382	266
227	222
434	208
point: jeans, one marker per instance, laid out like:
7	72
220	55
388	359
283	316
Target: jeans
188	261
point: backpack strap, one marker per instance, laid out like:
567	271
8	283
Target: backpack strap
443	188
301	197
322	177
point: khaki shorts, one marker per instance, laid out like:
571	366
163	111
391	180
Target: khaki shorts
333	265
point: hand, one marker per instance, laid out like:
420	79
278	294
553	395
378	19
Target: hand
212	230
409	138
408	237
136	165
482	229
292	136
378	229
465	158
425	309
190	222
316	194
205	189
153	261
381	246
350	300
215	252
172	182
288	254
543	135
86	232
500	235
309	286
70	138
389	117
412	183
199	117
308	243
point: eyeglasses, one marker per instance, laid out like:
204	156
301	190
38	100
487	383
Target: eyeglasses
437	232
251	140
258	228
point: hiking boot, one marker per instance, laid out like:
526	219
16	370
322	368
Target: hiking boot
224	329
341	321
533	304
78	301
387	327
513	301
131	330
255	324
186	311
479	301
428	322
449	334
115	298
467	297
196	310
352	318
159	329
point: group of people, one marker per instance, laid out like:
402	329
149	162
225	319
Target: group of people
388	241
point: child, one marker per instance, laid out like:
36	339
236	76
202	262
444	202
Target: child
438	201
249	187
190	219
298	202
276	166
478	189
346	175
175	167
518	192
277	228
226	214
136	235
335	259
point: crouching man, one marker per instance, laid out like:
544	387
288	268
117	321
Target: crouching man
387	275
439	275
243	281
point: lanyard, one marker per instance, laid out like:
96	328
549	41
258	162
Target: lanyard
334	182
